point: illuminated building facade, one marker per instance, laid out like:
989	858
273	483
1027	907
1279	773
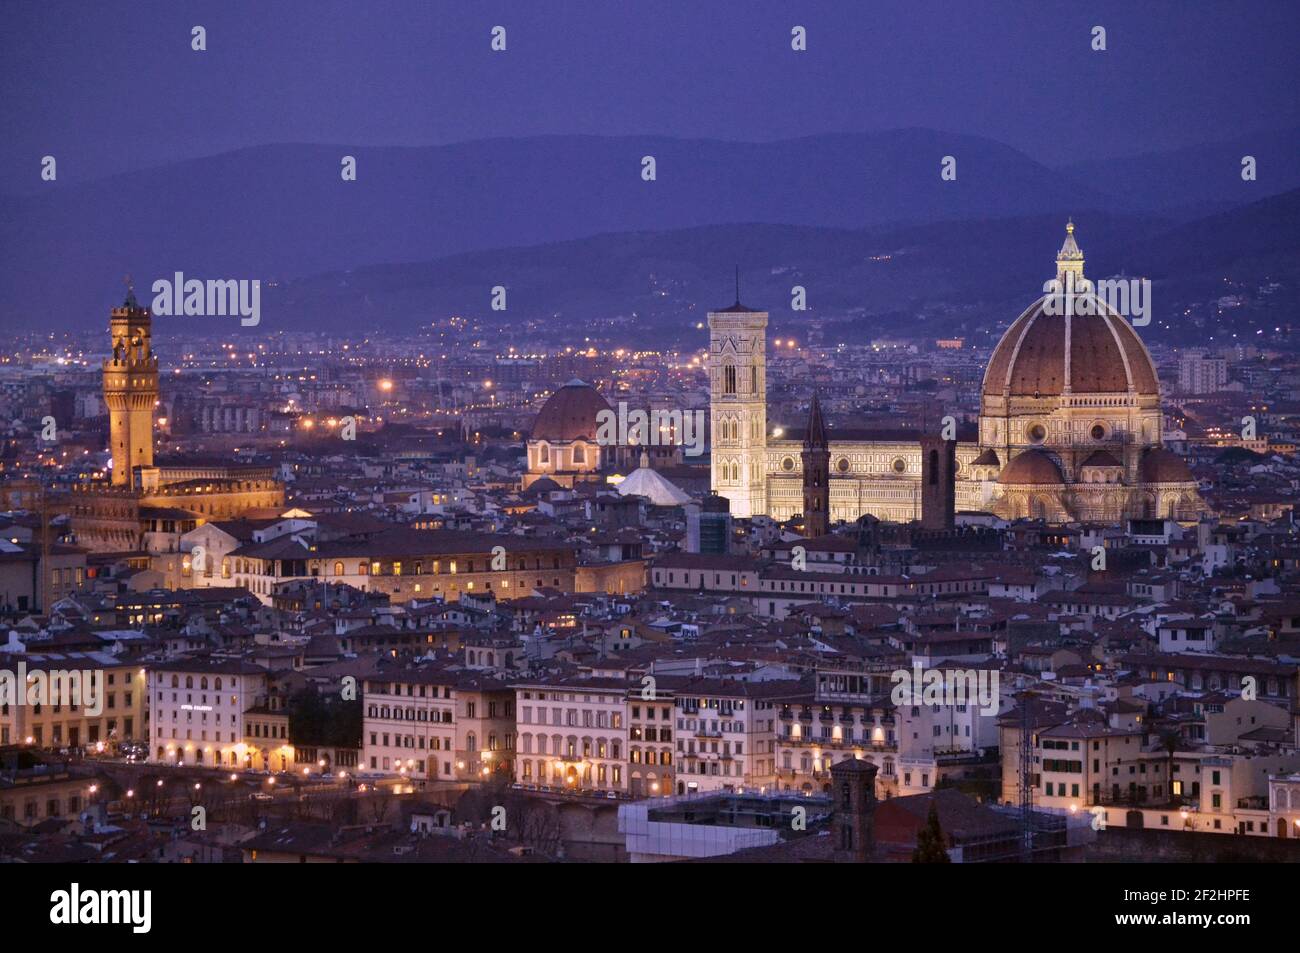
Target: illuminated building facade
1069	426
144	507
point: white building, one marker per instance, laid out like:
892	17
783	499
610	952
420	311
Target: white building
573	735
1199	374
197	712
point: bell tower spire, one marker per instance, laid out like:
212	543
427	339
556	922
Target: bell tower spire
816	458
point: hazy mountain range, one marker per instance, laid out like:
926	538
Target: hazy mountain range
962	277
570	227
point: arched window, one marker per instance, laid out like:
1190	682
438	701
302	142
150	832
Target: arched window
338	567
729	378
544	453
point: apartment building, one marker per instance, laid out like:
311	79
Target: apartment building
726	732
573	735
814	732
430	724
107	707
266	737
651	732
1199	373
1083	763
944	740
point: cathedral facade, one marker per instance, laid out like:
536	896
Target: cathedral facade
1069	427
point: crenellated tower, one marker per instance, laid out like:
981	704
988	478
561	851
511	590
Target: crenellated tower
130	389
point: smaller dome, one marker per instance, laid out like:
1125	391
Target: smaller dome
654	487
988	458
570	414
1032	467
1102	458
542	485
1163	466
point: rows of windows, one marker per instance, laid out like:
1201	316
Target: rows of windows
571	746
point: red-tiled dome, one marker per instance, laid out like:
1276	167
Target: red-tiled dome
1106	356
1105	353
1102	458
570	413
1163	466
1031	467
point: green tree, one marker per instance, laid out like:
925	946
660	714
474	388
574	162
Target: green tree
316	720
930	841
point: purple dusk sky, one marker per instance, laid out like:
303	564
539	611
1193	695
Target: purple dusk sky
108	87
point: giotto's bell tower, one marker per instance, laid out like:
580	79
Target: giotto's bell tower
738	407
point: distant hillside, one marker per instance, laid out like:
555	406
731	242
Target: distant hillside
566	223
1250	243
284	212
965	277
1198	176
